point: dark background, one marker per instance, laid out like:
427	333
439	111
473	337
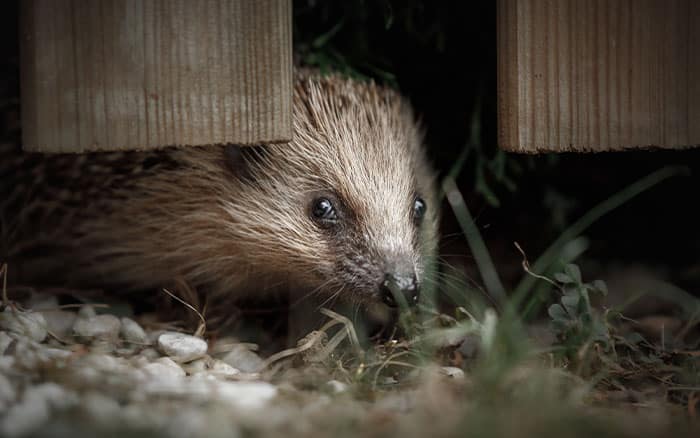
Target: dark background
442	55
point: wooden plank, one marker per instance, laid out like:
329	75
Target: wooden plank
596	75
143	74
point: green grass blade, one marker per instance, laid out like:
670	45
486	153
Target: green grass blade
488	272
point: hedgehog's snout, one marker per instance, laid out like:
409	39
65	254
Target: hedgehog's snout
395	288
399	284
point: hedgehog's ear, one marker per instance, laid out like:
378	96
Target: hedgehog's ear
240	159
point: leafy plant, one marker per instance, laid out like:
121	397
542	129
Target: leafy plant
574	320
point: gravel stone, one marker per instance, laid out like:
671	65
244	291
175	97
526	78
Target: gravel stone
7	364
102	346
100	408
138	361
164	366
56	354
241	358
192	423
222	369
128	352
139	418
105	362
204	377
29	324
131	331
29	355
399	402
24	417
34	409
197	366
150	354
452	372
5	341
7	393
167	384
95	382
99	327
54	394
60	322
181	347
336	386
245	395
87	312
154	335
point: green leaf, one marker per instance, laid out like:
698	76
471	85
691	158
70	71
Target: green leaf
574	272
570	302
557	312
563	278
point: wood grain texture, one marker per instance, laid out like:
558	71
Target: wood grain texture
597	75
143	74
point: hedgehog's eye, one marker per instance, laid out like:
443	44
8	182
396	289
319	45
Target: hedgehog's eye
418	210
323	211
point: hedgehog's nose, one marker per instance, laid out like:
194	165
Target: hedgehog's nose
397	287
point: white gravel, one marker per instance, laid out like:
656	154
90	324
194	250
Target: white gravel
34	409
241	358
336	386
101	408
24	417
87	312
30	324
196	366
149	353
5	341
98	327
164	367
181	347
131	331
7	393
59	322
453	372
50	385
222	369
106	375
246	395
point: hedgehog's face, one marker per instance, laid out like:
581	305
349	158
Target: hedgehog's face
369	210
370	264
359	232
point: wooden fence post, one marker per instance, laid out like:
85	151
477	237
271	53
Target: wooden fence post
596	75
142	74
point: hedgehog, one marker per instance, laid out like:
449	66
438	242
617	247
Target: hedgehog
347	209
